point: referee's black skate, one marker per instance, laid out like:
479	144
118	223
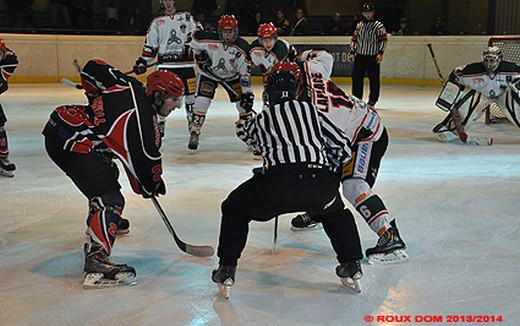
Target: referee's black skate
224	276
303	222
390	248
7	167
350	274
100	272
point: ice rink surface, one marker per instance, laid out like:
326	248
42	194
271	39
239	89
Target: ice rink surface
457	208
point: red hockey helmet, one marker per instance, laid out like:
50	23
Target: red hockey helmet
228	23
267	30
290	67
165	82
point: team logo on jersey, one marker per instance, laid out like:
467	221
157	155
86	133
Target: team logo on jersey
221	66
174	38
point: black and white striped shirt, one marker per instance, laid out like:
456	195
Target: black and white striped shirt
294	132
369	38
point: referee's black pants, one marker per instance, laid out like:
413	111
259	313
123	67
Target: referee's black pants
366	64
287	190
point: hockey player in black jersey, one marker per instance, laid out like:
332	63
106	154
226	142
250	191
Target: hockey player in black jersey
8	63
120	122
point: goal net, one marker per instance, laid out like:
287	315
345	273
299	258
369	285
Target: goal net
510	46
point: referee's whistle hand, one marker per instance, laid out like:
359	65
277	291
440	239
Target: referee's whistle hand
379	58
351	57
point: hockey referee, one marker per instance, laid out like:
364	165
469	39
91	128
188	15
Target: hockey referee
366	51
301	148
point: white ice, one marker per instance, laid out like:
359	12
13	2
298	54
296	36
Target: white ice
457	208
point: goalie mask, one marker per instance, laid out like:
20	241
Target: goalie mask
491	58
228	29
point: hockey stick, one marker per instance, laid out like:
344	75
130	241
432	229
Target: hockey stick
199	251
275	236
454	111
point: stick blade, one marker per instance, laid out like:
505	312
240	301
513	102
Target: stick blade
200	251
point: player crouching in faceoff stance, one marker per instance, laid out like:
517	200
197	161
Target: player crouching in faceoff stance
472	88
302	157
8	63
368	136
119	122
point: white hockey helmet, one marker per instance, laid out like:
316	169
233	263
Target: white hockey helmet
491	58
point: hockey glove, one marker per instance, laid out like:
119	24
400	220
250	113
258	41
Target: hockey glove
203	58
160	189
140	66
246	101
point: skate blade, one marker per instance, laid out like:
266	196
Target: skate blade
225	288
8	174
352	283
395	257
97	281
312	227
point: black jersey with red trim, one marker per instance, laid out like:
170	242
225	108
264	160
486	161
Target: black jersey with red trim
7	67
119	121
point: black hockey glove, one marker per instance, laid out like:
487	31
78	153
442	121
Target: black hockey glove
246	101
140	66
203	58
160	189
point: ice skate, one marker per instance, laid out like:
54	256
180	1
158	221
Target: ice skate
350	275
390	248
193	143
122	229
303	222
225	277
100	272
7	168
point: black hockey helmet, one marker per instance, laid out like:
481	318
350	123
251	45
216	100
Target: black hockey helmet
367	6
280	85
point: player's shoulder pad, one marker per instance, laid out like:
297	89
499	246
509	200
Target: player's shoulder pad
159	20
507	66
473	68
242	44
202	36
179	15
280	49
256	44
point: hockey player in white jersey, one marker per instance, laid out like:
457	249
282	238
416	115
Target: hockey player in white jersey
268	49
168	39
223	59
369	141
471	88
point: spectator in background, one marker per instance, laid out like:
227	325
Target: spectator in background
201	19
336	26
81	13
403	27
300	26
15	6
255	24
111	21
205	7
282	23
438	27
62	6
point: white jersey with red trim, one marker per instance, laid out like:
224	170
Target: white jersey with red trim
168	38
282	51
476	77
226	61
352	115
